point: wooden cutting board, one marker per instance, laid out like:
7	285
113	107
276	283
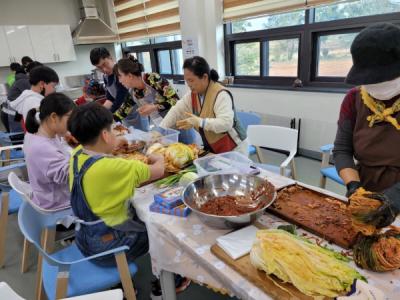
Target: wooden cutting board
259	278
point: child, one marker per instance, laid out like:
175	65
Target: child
43	82
46	158
102	185
92	91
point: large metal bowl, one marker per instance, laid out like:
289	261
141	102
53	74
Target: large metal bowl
208	187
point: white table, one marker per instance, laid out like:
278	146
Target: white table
182	246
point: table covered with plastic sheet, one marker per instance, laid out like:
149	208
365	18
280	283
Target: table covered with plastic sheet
182	245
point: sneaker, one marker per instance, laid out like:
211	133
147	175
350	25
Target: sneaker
156	293
181	284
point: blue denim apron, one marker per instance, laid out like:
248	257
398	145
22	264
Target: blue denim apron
94	236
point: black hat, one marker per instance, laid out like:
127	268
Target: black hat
376	55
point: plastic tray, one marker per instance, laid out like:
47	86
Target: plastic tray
165	136
229	162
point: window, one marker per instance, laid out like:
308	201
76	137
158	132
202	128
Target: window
162	55
268	22
164	62
137	43
170	61
282	57
356	9
177	61
334	58
168	38
144	59
311	45
247	59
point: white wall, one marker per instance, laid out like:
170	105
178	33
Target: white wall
42	12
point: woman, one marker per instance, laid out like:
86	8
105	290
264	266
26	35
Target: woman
46	156
368	126
151	95
209	108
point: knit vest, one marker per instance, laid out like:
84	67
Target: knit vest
217	142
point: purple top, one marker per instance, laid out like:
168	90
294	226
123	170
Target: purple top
47	161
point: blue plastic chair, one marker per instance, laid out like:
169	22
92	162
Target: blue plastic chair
327	170
53	217
249	118
10	202
11	154
68	272
5	138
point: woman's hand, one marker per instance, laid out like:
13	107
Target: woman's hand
147	109
190	122
390	208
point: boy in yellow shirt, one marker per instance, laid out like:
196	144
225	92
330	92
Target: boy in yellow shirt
101	186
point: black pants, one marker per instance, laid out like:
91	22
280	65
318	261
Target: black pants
4	120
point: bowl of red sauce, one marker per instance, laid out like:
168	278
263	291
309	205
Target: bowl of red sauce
229	200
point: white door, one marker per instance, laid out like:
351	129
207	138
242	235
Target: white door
19	42
5	57
62	42
41	39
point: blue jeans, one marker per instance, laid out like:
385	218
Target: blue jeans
138	243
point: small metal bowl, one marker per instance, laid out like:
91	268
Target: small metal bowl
208	187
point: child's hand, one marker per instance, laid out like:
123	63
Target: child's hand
156	164
121	142
156	158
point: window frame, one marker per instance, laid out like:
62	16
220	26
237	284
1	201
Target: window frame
308	34
153	49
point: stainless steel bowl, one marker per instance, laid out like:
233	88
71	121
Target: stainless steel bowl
208	187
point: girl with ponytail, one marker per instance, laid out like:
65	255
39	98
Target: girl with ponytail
209	108
46	156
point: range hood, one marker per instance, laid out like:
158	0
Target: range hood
91	29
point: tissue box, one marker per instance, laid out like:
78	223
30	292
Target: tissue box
170	198
180	211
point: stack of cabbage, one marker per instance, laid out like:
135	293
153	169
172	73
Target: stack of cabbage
176	155
313	270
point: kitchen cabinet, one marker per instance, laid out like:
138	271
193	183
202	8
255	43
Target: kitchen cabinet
18	41
41	39
52	43
44	43
62	42
5	56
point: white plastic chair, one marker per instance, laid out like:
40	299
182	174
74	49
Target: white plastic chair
107	295
24	189
275	137
7	293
